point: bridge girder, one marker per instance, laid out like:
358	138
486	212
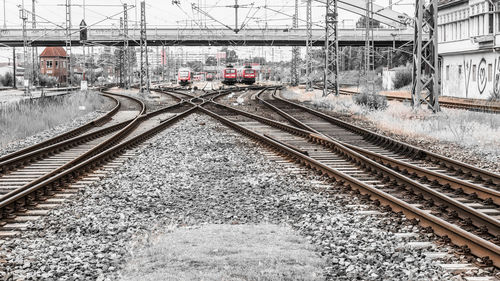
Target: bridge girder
212	37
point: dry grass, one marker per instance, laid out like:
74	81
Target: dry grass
468	129
226	252
28	117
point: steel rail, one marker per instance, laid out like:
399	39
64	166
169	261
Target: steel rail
30	195
490	108
68	135
407	169
15	200
94	150
470	171
478	246
463	211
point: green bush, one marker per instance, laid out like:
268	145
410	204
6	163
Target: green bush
402	78
371	100
47	81
7	79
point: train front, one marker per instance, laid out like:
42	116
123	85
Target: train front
184	77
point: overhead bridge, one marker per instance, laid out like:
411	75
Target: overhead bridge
205	37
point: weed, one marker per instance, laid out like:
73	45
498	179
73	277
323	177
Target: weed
28	117
372	101
403	77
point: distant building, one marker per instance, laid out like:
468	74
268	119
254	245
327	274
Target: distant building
469	39
54	62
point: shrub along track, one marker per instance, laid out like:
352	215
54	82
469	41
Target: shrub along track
472	105
465	221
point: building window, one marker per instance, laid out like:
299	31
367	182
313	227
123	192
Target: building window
447	72
490	72
49	64
459	70
57	64
474	73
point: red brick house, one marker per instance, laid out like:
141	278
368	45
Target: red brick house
54	62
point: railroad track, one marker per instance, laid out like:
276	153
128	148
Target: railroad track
44	172
465	220
41	174
488	107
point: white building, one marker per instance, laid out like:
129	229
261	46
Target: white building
469	40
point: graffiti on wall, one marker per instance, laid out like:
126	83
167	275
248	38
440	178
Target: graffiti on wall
467	72
482	78
496	83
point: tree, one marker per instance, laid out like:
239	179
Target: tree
361	23
211	61
195	65
7	79
259	60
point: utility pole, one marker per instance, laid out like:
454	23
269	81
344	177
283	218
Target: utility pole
330	78
68	43
369	46
295	49
126	68
144	84
24	16
121	51
14	68
163	62
309	46
425	56
236	6
4	16
34	50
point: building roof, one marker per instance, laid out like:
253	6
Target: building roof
448	3
54	52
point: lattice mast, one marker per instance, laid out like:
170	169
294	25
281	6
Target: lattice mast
121	53
27	72
330	78
144	81
425	56
68	42
368	36
34	50
295	49
309	46
126	56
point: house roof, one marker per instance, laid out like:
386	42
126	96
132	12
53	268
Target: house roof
448	3
54	52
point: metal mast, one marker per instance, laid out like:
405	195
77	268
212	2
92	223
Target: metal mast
126	61
34	51
425	56
24	16
144	85
295	49
309	46
369	46
330	78
121	51
68	42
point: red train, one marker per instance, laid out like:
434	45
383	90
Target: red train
185	76
246	75
229	75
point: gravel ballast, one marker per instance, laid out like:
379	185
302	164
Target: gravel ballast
199	172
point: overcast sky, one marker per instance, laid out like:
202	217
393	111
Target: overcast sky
164	13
